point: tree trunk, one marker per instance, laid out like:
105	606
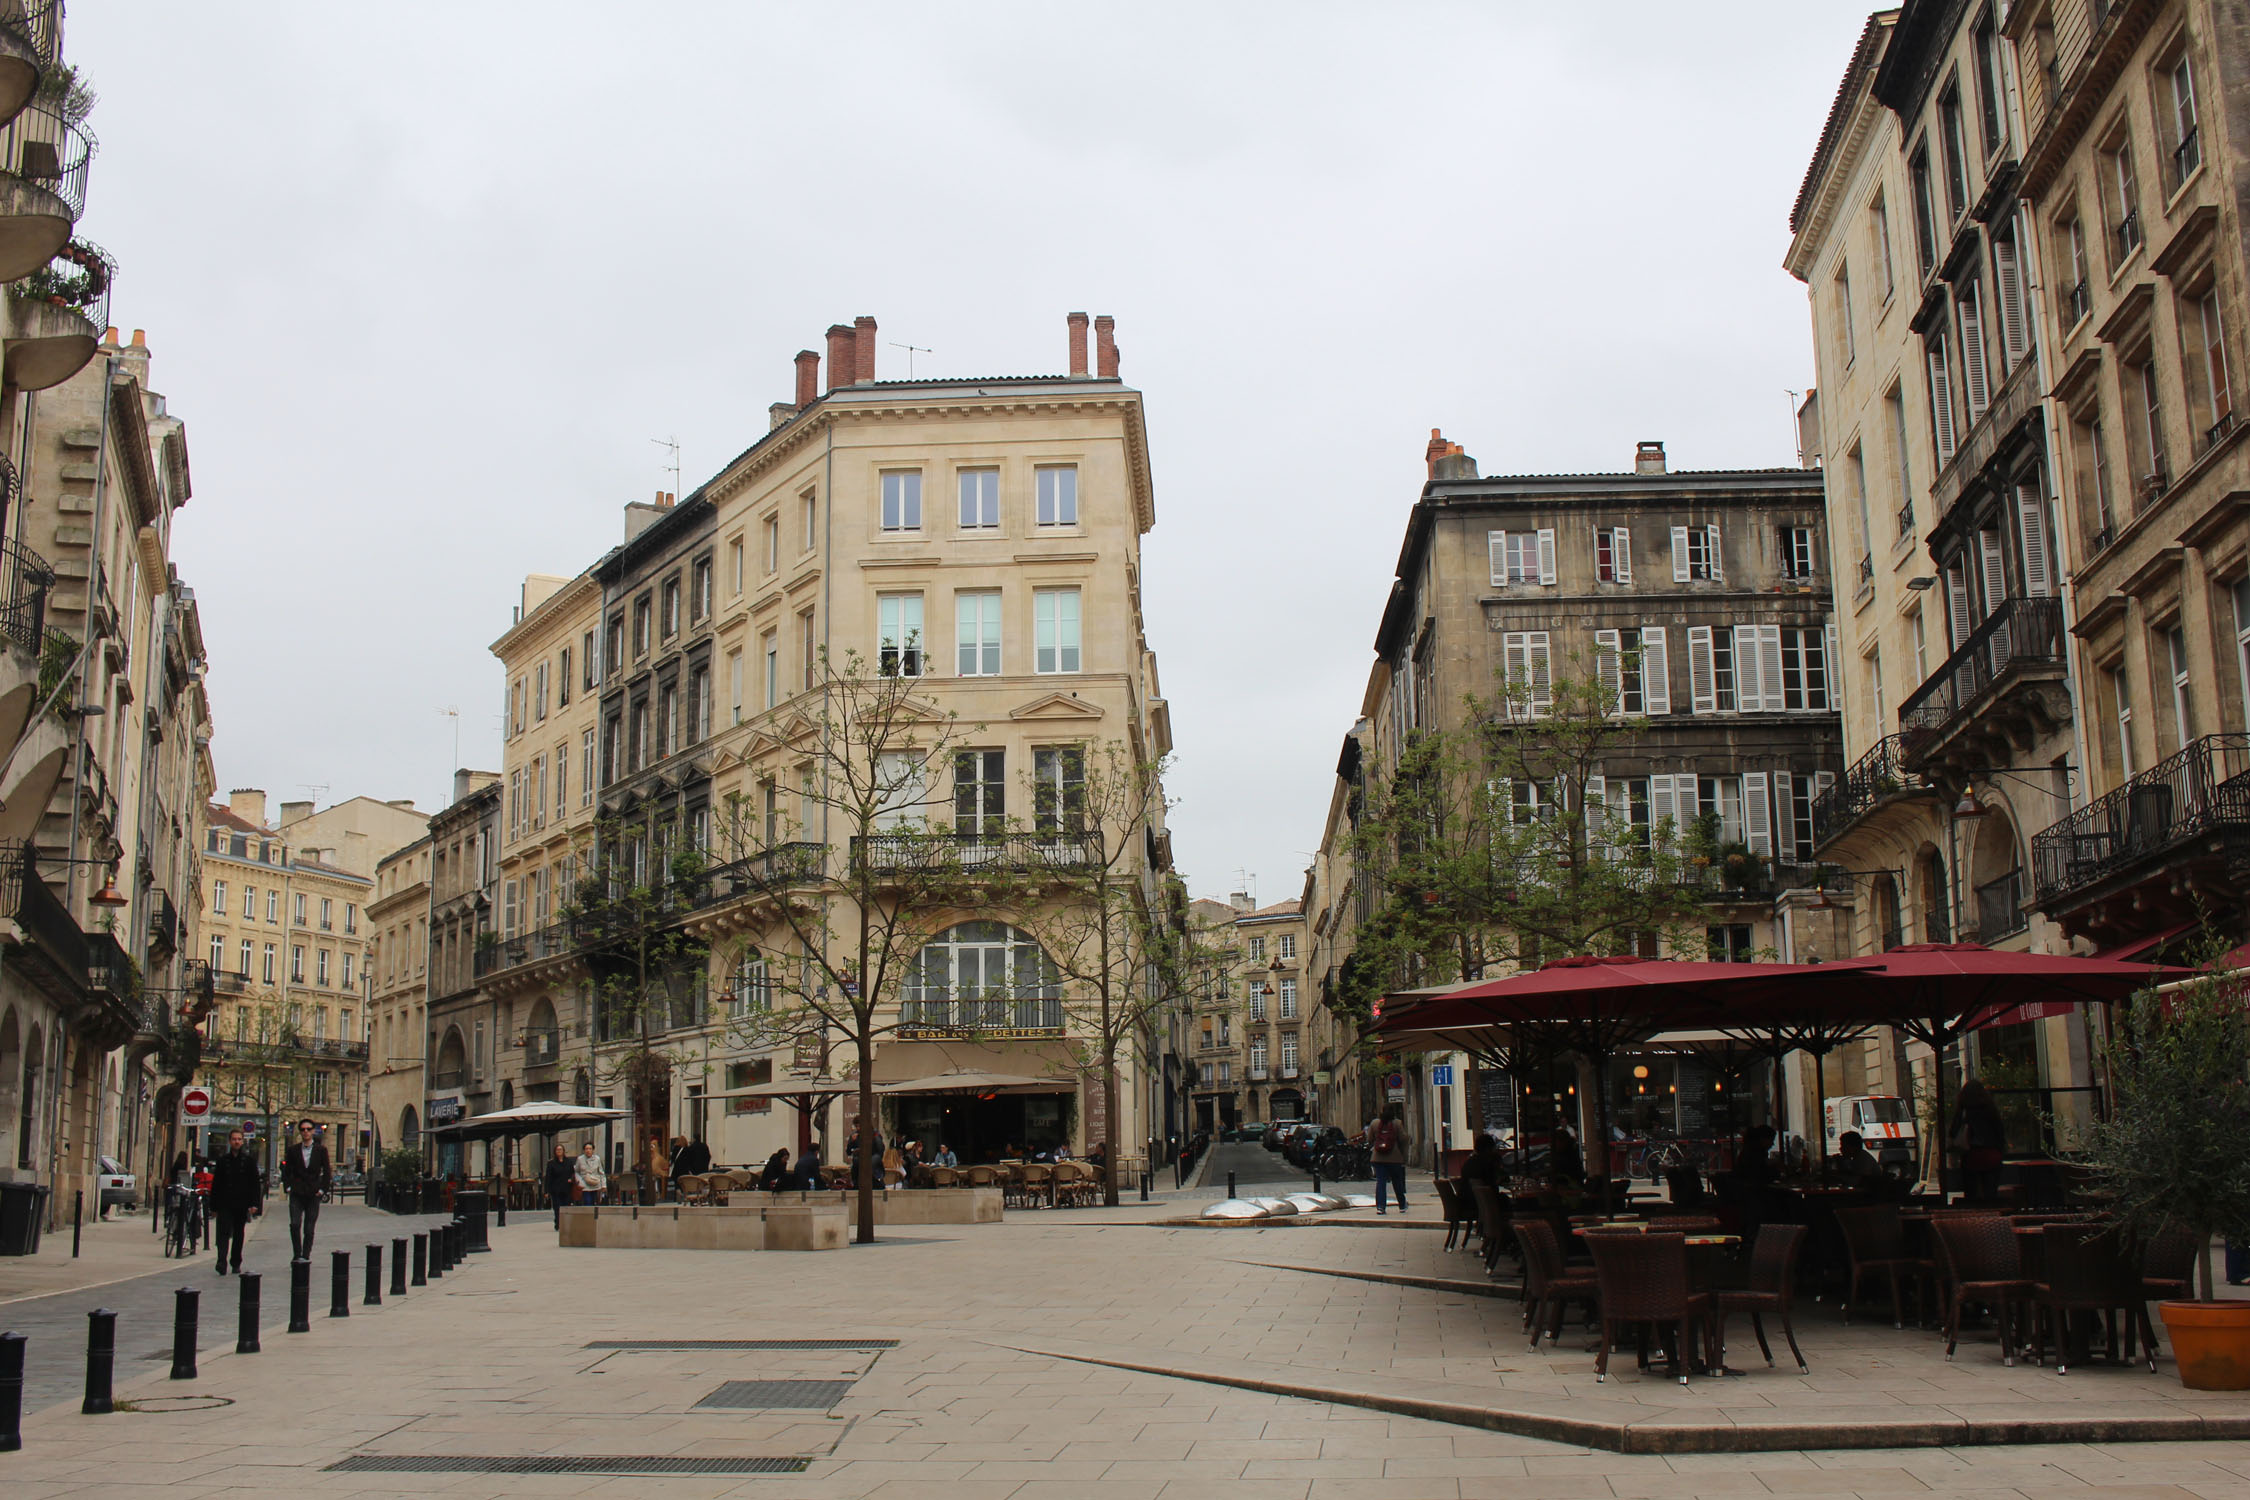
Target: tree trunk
1109	1123
865	1174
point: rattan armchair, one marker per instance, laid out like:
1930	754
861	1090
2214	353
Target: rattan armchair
2089	1268
1772	1289
1547	1285
1643	1280
1875	1238
1982	1266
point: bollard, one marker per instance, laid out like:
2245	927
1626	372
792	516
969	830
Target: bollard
185	1303
437	1254
374	1296
77	1222
1230	1184
500	1212
421	1254
300	1296
1316	1179
101	1359
1144	1184
339	1283
398	1268
11	1392
246	1330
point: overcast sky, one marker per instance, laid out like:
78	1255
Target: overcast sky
425	281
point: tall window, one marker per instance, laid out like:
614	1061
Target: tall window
808	506
1894	406
671	607
1057	494
809	645
327	915
1054	624
2121	198
1526	660
769	653
1879	226
2204	361
1989	97
980	792
899	634
1968	306
219	896
2121	694
1695	554
699	590
1289	999
1941	394
1956	153
2242	643
1058	776
1288	946
265	971
770	530
1522	556
734	566
1797	541
586	769
1925	212
243	967
562	680
898	779
980	499
2179	121
984	974
1613	554
902	500
1847	341
2183	714
977	633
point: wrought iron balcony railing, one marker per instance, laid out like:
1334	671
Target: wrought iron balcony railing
44	147
24	897
35	23
1873	777
2203	788
1034	1014
25	579
541	1046
163	924
778	866
967	852
2019	635
80	276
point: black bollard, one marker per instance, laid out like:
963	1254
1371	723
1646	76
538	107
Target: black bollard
246	1331
421	1260
185	1303
437	1254
1144	1184
11	1392
300	1296
339	1283
374	1296
1316	1179
500	1211
77	1222
398	1268
1230	1184
101	1360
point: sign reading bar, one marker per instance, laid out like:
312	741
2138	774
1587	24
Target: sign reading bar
977	1033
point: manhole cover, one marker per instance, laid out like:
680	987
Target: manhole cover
640	1463
766	1395
689	1344
176	1403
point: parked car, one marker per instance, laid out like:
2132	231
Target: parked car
1276	1135
1254	1130
1308	1141
118	1189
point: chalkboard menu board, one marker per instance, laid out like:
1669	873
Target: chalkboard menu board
1695	1099
1497	1093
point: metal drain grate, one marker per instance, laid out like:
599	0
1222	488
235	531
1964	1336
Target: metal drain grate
689	1344
637	1463
767	1395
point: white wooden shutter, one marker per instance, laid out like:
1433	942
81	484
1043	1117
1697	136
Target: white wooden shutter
1608	667
1547	554
2014	335
1785	817
1541	682
1957	596
1656	672
2031	514
1679	554
1596	815
1834	665
1995	591
1711	536
1769	665
1821	782
1749	687
1496	542
1941	404
1663	808
1973	355
1621	554
1757	813
1703	696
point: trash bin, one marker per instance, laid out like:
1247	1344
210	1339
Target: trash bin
23	1213
468	1212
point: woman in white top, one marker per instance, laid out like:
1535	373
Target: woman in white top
592	1180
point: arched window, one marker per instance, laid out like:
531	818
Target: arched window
986	976
409	1127
1996	868
452	1060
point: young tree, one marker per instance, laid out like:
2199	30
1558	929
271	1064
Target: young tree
264	1062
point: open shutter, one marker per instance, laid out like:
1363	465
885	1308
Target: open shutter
1656	672
1541	682
1621	554
1769	665
1596	815
1496	543
2031	514
1546	554
1785	818
1757	813
1834	665
1749	676
1679	554
1973	356
1703	696
1711	537
1663	808
1995	591
1608	668
1941	404
1957	600
2014	336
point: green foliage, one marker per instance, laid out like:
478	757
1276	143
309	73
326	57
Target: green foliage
62	87
58	654
402	1164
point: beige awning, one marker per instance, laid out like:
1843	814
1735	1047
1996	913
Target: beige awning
976	1083
796	1089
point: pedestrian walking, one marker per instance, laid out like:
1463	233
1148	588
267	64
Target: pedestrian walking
1386	1144
592	1180
238	1195
560	1179
306	1178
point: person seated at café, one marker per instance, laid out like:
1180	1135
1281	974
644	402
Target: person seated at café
944	1157
808	1168
1565	1162
1854	1164
1484	1163
1098	1157
776	1175
894	1168
1754	1162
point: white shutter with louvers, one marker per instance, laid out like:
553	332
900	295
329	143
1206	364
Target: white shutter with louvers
1703	696
1663	808
1546	554
1656	672
1679	554
1941	404
1785	817
2014	335
1973	355
1596	816
1995	592
1621	554
1541	682
1957	599
1609	669
1711	537
1757	813
1769	665
1835	666
2031	514
1496	542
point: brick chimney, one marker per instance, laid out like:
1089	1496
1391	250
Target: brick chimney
842	360
1105	347
808	377
1077	346
863	341
1648	458
1435	450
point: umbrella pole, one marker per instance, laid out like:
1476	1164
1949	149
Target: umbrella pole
1819	1123
1937	1123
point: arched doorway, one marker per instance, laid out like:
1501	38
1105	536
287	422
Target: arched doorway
1929	883
27	1102
1996	878
11	1079
1884	911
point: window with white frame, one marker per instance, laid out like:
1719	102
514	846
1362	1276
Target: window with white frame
1287	946
1054	622
1797	541
980	792
320	973
2241	593
2121	694
1695	554
1058	776
899	784
1613	554
1522	557
2178	119
1057	494
586	769
1288	999
902	500
1257	950
2183	711
899	634
980	499
1257	1054
2203	349
977	633
1968	308
219	896
1804	668
769	656
1526	664
1289	1054
1634	669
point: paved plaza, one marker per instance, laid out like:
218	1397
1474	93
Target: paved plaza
990	1361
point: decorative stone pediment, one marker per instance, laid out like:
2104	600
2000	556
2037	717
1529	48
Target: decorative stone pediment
1057	706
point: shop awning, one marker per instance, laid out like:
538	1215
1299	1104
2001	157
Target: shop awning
967	1082
537	1118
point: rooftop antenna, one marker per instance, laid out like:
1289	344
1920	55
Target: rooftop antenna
672	445
453	711
318	789
911	351
1247	883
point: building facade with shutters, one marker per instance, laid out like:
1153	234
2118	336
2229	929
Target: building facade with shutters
487	1049
398	984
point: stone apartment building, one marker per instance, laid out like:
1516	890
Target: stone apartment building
978	535
398	982
1705	597
1258	1040
480	1056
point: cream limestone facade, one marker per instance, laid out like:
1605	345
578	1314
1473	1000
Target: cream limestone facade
980	536
398	988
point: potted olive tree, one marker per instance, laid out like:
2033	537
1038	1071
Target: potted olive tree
2175	1153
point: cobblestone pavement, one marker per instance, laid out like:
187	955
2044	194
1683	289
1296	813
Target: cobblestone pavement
500	1360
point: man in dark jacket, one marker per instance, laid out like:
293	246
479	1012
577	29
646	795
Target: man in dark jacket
237	1194
694	1159
562	1176
305	1176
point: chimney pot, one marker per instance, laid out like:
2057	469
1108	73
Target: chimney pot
863	339
1105	347
140	338
1648	458
808	377
1077	346
778	413
1434	450
842	360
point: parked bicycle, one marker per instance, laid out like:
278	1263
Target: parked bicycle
1345	1163
183	1222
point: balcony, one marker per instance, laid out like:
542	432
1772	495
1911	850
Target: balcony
47	943
2161	849
779	867
1877	780
113	986
227	982
1257	1073
30	44
965	854
2002	689
542	1047
163	927
56	317
43	161
25	579
970	1020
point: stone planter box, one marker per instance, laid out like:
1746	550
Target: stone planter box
814	1225
930	1206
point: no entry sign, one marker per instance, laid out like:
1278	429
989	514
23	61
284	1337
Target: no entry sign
195	1104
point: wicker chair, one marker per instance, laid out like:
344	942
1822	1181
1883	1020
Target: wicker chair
1875	1239
1684	1224
2168	1265
981	1176
1547	1286
945	1177
2089	1268
1981	1265
1772	1289
1037	1177
1460	1214
694	1188
1492	1215
1644	1280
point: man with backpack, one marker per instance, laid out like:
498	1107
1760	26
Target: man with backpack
1386	1147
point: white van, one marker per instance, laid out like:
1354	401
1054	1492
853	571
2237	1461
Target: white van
1884	1121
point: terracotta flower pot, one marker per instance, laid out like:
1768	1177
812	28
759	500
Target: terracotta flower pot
2211	1342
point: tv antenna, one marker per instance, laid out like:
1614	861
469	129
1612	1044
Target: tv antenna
453	711
911	351
672	445
318	789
